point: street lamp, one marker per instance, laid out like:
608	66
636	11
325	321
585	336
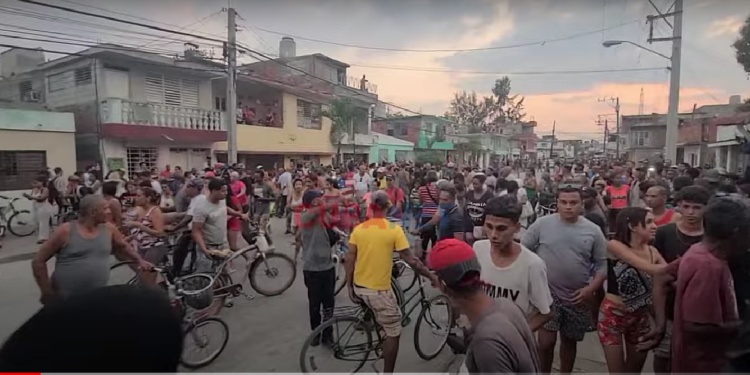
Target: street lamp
674	94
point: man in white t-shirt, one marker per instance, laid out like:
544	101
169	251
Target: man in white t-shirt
510	270
362	181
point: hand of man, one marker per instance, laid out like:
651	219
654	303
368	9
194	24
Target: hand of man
583	295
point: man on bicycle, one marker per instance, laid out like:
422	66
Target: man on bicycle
369	264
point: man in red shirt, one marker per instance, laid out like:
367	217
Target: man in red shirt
166	173
706	319
395	195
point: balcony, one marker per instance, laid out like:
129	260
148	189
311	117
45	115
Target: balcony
124	119
119	111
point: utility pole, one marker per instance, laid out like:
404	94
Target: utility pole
606	135
231	116
552	144
616	105
674	76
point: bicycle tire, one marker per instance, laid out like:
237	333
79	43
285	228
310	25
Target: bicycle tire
329	323
340	282
255	267
410	280
420	351
212	357
15	231
131	281
2	230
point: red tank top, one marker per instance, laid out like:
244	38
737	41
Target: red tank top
665	219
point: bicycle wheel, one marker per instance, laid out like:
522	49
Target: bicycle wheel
21	223
2	230
196	339
340	275
351	347
123	273
435	324
405	275
272	267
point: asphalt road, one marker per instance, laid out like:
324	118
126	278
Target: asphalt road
266	333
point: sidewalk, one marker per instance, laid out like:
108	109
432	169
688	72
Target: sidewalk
16	249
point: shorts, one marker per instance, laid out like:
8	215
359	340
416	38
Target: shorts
616	323
664	350
154	255
570	320
385	308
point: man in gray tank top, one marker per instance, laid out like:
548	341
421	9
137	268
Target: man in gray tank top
82	249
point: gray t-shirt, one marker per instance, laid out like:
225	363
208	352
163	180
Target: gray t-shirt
571	252
502	342
316	248
214	219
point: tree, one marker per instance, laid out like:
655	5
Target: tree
467	109
343	113
742	46
478	114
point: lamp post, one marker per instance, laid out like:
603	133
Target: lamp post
674	93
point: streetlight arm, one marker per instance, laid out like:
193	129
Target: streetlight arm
649	49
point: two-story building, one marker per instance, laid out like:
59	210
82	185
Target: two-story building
732	144
32	139
646	135
549	147
319	80
130	106
522	137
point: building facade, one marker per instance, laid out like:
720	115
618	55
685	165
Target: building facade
32	140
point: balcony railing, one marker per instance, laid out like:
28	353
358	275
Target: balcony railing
356	83
121	111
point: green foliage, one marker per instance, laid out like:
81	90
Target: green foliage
429	156
478	113
742	46
343	113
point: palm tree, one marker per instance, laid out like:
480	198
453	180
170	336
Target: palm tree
342	113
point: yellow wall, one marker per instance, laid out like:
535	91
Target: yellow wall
287	140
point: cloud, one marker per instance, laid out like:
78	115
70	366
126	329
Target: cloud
412	89
727	26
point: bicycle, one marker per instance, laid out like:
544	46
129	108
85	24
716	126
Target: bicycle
20	223
405	274
259	265
196	302
359	319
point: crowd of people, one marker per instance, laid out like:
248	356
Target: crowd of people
651	258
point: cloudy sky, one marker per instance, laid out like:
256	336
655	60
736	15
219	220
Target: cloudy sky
542	45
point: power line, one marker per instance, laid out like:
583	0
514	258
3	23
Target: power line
114	19
200	21
104	48
561	72
540	42
113	48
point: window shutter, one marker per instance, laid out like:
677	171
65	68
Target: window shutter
154	88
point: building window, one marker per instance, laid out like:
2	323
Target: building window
56	82
138	155
83	76
24	88
220	104
19	168
308	115
390	130
641	139
403	129
171	90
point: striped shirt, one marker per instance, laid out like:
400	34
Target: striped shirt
428	196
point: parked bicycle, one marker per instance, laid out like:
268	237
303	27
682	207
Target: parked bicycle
356	325
20	223
196	302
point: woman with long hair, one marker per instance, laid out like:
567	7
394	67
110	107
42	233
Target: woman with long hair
624	312
147	230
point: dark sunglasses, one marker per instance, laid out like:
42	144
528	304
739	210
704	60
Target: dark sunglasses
569	187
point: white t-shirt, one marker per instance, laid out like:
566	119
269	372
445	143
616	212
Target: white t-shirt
524	282
156	186
362	183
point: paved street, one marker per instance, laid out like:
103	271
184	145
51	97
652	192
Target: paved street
266	333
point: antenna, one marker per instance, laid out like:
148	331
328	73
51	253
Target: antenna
640	103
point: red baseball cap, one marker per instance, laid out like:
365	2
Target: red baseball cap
454	261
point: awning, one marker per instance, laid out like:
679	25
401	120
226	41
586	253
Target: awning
731	142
